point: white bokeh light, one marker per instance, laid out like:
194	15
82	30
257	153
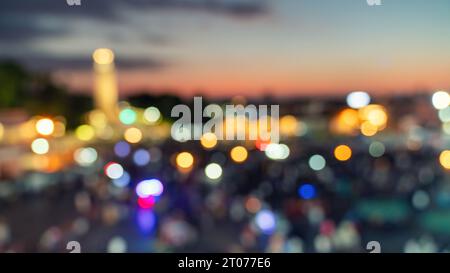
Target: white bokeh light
358	99
213	171
440	100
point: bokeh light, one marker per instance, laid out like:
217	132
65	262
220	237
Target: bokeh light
440	100
307	191
146	220
185	160
152	114
253	204
103	56
127	116
117	245
377	149
213	171
375	114
122	181
317	162
208	140
342	152
114	170
141	157
358	99
239	154
85	156
289	125
420	199
133	135
85	132
40	146
346	122
368	129
122	149
266	222
444	114
146	202
277	151
444	159
45	126
152	187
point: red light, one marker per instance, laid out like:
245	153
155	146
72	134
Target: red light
327	228
108	165
147	202
261	144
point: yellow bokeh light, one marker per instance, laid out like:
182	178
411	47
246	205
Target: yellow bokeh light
349	117
45	126
85	132
346	122
289	125
239	154
98	119
133	135
377	117
368	129
184	160
375	114
444	159
343	152
208	140
103	56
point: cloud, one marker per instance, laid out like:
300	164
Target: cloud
48	63
235	8
114	9
21	21
15	29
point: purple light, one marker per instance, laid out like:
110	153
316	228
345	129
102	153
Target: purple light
122	149
141	157
265	220
146	220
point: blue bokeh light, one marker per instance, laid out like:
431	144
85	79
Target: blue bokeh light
141	157
122	149
307	191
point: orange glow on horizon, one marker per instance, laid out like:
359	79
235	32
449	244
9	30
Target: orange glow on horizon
218	82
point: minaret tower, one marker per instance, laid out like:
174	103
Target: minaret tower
105	83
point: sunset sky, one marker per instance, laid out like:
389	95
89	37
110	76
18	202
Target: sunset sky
229	47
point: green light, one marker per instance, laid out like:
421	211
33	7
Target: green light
377	149
444	114
127	116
